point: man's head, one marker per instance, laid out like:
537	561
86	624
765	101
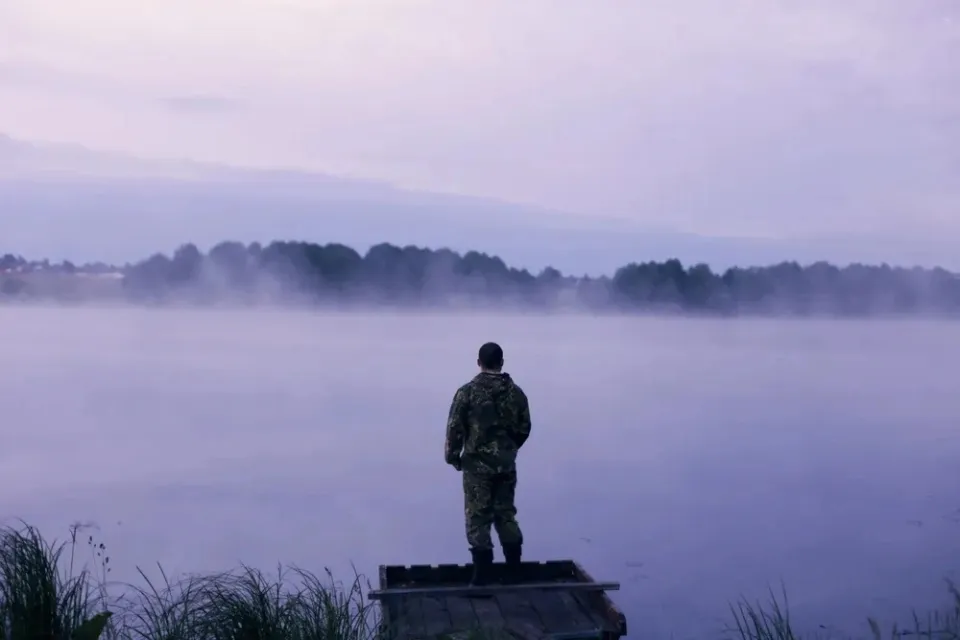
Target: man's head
490	357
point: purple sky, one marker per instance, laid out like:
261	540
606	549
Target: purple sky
760	119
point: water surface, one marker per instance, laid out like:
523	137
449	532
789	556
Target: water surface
692	460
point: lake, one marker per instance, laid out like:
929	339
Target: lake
692	460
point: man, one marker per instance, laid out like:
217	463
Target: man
488	423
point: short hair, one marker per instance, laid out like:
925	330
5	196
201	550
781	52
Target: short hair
491	356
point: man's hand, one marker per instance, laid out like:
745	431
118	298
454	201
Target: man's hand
454	461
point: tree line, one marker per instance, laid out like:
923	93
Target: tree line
413	276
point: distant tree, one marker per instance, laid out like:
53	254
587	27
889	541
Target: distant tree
412	275
549	276
235	263
150	278
12	286
338	266
185	266
10	261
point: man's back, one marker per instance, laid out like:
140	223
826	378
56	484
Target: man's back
490	415
488	423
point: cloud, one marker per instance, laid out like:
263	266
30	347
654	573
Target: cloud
760	118
200	104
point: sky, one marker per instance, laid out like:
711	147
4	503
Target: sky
763	119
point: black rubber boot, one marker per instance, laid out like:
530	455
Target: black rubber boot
512	553
482	563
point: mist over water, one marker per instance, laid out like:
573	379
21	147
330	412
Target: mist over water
692	460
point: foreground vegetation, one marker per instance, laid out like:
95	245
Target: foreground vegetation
48	593
412	276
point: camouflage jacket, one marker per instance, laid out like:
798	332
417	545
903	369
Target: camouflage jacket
488	423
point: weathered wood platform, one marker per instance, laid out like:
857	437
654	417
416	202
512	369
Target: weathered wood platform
558	600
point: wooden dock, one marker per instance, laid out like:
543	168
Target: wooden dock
555	600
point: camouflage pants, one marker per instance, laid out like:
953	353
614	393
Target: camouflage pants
488	501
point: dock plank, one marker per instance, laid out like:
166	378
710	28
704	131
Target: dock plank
580	620
411	617
435	616
597	617
488	612
557	614
492	589
520	615
601	602
462	614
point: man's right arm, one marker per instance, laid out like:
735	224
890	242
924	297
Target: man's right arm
522	424
456	428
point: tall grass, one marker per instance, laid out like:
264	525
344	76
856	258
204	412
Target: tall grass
37	600
771	621
44	595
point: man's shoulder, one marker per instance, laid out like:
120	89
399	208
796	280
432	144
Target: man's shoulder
518	390
464	390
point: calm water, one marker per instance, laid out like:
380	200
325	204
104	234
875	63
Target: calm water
692	460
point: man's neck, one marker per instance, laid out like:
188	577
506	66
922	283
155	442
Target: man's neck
492	372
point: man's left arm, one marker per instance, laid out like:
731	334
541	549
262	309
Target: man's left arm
456	429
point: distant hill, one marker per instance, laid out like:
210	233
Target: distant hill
20	160
70	202
67	201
